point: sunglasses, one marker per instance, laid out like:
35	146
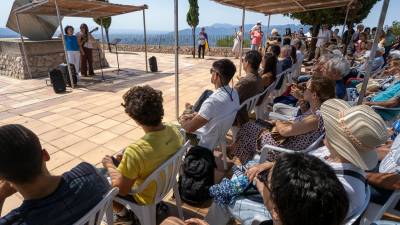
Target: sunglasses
212	71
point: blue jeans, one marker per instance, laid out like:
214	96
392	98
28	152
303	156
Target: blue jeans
254	47
244	210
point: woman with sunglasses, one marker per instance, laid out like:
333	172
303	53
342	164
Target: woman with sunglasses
298	190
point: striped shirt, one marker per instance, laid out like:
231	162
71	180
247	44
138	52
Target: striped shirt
391	163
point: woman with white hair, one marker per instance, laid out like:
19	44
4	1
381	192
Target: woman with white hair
336	69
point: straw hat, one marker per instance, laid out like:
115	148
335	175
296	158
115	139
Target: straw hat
354	132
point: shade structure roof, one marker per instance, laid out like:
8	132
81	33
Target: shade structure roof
77	8
270	7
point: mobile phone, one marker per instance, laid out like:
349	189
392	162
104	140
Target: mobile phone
116	162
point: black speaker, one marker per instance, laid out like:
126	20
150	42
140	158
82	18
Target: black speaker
153	64
57	80
64	70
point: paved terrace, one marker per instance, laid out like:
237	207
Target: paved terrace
88	123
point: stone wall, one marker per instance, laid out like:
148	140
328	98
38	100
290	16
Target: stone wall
42	57
185	50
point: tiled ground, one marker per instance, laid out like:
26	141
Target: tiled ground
87	123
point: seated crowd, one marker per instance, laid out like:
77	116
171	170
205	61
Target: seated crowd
327	185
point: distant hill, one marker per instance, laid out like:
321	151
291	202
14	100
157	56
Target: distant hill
215	32
7	33
221	29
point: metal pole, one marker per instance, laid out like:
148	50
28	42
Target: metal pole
373	50
345	19
176	60
103	49
23	47
145	40
65	47
242	43
266	36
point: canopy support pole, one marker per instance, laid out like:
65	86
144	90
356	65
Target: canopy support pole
344	25
266	36
103	49
145	40
23	46
65	47
373	50
241	45
176	59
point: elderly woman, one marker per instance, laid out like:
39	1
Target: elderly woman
297	134
336	69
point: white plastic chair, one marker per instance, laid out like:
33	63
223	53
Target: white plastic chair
375	211
220	129
147	213
270	90
360	211
104	207
267	148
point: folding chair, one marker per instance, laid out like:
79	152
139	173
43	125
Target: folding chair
267	148
375	211
104	207
170	169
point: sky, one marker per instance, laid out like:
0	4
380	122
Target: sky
160	16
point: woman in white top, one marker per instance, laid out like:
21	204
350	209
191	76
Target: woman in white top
237	42
86	44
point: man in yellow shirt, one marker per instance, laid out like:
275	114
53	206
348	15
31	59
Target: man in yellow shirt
145	106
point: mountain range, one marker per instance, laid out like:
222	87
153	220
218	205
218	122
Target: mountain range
218	29
229	29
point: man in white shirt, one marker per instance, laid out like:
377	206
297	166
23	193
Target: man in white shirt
220	107
324	36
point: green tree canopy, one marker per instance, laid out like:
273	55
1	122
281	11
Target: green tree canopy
359	10
396	28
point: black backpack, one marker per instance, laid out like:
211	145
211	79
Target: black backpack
197	176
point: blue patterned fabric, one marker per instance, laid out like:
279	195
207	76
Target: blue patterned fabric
226	192
396	129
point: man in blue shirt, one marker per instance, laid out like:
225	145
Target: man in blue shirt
48	199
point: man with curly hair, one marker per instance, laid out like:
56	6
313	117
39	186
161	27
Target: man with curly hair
145	106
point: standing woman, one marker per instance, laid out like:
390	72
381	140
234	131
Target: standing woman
238	42
86	44
71	43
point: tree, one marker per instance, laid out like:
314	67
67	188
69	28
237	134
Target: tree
359	10
106	25
396	28
192	18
